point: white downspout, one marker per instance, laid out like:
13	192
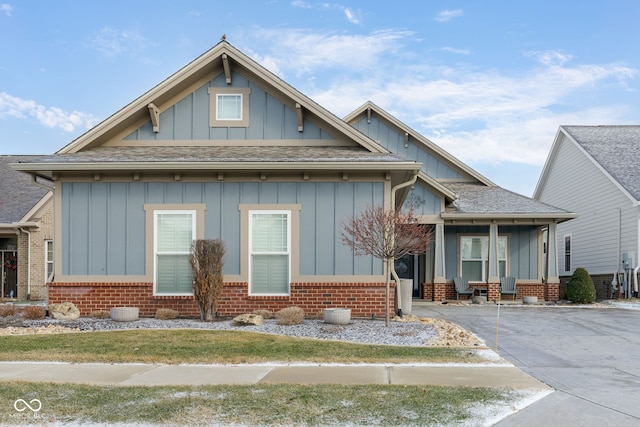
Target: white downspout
28	262
614	282
394	190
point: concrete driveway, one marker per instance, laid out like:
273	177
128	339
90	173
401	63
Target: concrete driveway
591	356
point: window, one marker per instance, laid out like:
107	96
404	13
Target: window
175	232
567	253
474	257
48	259
269	252
229	107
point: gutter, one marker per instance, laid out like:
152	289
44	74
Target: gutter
28	262
394	190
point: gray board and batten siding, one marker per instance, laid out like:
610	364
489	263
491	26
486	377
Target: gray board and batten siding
269	118
521	246
103	223
395	142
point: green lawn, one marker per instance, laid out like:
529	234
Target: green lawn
206	346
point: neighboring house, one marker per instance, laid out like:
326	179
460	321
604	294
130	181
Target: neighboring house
224	149
593	170
26	234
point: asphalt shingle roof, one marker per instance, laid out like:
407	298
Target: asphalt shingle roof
476	198
616	149
17	193
220	154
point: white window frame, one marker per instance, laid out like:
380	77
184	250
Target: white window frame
48	262
252	253
214	95
156	213
484	256
567	252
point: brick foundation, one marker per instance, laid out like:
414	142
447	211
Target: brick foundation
364	299
447	291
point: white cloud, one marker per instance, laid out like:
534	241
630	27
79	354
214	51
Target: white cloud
6	8
351	16
300	4
304	52
51	117
112	42
448	15
477	115
456	51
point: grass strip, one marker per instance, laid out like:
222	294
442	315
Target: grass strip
265	405
202	346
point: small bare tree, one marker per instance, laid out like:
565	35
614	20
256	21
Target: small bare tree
206	261
386	235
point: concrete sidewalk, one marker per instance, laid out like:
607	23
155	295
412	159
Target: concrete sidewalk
473	375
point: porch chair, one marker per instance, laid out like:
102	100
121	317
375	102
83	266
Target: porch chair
508	286
462	287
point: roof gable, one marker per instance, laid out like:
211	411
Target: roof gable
614	150
223	66
17	194
402	140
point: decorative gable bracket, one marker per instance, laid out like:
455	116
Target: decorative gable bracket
155	117
227	68
300	117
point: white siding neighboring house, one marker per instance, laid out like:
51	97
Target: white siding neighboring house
594	171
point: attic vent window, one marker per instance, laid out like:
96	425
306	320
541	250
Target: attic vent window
229	107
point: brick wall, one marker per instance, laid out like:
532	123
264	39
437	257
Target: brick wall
31	259
364	299
447	291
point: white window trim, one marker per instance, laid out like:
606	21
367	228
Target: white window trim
485	273
48	261
288	253
194	217
214	92
565	253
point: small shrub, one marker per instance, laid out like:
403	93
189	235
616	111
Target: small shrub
8	310
580	288
33	312
290	316
101	314
166	314
266	314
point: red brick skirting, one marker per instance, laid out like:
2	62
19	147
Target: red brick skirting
364	299
447	291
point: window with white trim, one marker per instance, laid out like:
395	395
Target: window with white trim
269	252
229	106
174	233
48	259
474	257
567	252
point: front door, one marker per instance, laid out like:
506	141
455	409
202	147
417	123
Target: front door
406	268
9	275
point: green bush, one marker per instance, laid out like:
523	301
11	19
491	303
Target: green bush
580	288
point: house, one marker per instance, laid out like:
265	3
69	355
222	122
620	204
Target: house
224	149
593	170
26	234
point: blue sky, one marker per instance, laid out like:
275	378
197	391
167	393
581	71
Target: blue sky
489	81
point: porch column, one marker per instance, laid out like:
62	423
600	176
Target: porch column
493	273
552	254
439	271
439	292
